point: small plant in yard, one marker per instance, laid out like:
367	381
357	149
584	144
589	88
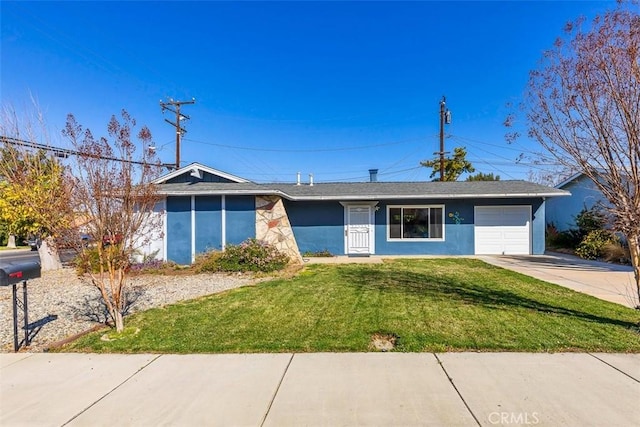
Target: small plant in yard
88	261
593	245
151	266
207	262
250	255
616	252
567	239
589	220
321	254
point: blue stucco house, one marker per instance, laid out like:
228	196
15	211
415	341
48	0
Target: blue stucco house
562	211
205	209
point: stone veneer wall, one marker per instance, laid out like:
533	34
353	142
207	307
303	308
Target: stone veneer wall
273	226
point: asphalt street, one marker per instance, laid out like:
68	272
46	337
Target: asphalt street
19	255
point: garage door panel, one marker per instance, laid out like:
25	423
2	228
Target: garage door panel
502	230
515	218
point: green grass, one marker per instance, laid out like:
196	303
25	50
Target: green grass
432	305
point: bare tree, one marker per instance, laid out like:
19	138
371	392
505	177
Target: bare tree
113	197
583	107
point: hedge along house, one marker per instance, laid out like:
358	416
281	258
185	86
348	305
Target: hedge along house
206	209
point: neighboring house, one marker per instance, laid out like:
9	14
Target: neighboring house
206	209
562	211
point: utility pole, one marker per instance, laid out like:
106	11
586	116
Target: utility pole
174	107
445	118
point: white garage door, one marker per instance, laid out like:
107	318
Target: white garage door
502	230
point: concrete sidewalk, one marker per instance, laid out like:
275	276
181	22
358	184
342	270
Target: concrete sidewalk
366	389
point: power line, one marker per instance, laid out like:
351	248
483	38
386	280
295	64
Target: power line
65	152
303	150
503	147
57	151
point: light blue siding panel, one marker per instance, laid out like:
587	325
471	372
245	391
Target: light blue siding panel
562	211
241	218
208	216
538	228
179	229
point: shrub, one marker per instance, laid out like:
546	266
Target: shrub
616	252
151	266
322	253
207	262
88	260
592	246
562	239
250	255
589	220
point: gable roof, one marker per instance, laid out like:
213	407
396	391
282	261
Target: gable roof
569	180
198	167
580	176
369	190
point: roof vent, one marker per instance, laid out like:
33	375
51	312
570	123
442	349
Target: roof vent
196	173
298	179
311	179
373	175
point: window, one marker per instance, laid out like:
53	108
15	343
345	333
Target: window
415	222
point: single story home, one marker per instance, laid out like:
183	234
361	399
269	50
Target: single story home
562	211
205	209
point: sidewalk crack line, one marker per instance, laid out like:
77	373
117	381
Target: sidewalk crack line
456	389
286	369
619	370
112	390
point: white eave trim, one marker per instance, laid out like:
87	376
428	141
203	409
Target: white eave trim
569	180
222	193
364	197
203	168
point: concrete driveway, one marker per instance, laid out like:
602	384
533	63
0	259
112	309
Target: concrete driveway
610	282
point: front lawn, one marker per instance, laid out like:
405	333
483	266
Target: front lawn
428	304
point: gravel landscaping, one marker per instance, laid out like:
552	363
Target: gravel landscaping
62	305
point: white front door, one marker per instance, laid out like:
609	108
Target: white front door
359	230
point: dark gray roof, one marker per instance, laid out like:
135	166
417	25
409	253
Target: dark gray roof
370	190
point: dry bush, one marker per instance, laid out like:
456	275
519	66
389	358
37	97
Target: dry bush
616	252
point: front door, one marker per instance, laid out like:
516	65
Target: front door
359	230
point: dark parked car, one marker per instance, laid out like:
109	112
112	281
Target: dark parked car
34	243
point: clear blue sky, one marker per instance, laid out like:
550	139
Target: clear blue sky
329	88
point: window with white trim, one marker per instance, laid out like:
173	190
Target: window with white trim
415	222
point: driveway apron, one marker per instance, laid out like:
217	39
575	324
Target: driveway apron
610	282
